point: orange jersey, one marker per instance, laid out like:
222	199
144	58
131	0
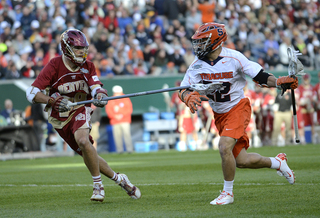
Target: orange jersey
207	11
119	111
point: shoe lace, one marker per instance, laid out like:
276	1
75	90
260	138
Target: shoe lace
96	189
125	186
222	195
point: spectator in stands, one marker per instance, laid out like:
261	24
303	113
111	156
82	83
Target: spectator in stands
316	89
256	42
193	19
207	10
189	56
231	28
161	59
26	20
111	18
128	69
106	68
176	57
171	69
6	34
188	124
124	20
12	72
119	112
169	34
242	33
173	9
39	121
102	43
140	69
306	99
283	55
141	34
282	115
27	70
8	109
271	60
50	54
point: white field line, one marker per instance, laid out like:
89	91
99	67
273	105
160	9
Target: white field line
156	184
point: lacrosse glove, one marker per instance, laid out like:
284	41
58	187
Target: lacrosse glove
286	82
57	103
100	94
192	99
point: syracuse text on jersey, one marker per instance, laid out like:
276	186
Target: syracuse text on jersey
216	76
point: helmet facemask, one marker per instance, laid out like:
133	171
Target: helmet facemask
202	47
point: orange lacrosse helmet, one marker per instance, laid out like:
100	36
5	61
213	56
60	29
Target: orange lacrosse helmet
208	38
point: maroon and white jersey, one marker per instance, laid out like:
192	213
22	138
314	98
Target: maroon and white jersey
75	85
306	97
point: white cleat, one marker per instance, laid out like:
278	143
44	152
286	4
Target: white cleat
126	185
224	198
98	192
284	169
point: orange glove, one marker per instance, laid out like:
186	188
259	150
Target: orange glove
287	82
192	99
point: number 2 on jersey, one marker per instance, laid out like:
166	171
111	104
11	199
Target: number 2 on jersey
222	96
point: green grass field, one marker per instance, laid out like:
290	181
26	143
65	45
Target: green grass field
173	184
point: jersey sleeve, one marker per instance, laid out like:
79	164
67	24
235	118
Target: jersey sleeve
191	76
92	78
248	67
44	78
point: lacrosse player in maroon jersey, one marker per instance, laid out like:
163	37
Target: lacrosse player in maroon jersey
72	78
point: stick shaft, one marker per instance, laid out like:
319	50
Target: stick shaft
295	119
133	95
208	125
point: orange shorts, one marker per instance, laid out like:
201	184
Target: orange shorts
234	123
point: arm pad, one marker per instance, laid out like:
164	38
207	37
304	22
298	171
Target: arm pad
31	93
262	78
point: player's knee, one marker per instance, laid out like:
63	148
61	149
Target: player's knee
241	163
83	142
224	149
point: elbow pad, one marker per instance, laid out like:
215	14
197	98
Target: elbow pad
262	78
31	93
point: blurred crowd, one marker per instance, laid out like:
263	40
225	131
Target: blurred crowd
152	37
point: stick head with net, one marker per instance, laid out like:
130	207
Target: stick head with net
205	89
295	67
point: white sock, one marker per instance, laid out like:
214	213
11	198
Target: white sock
97	179
228	186
275	164
115	177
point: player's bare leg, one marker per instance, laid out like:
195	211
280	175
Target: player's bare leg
252	160
89	153
105	169
226	145
90	157
255	161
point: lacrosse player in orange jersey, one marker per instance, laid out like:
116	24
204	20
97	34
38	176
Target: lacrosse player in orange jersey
232	110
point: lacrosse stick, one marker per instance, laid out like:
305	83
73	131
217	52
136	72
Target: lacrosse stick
295	68
203	89
205	137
